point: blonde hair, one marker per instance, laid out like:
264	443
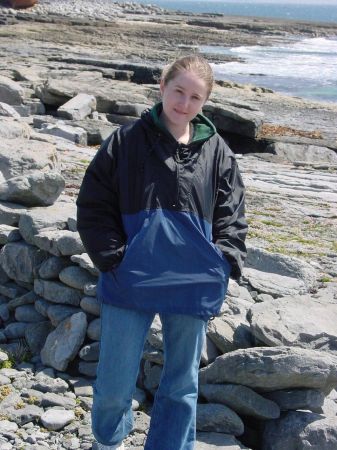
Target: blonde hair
193	63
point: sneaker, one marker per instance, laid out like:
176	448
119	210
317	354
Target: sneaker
119	446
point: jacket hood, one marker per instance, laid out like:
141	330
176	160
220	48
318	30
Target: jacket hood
203	128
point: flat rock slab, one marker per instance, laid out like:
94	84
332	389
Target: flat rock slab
293	399
55	419
284	322
273	283
218	418
269	369
240	399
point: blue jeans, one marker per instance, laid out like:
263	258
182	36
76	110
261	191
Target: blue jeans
123	334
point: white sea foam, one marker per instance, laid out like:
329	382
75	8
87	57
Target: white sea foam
308	64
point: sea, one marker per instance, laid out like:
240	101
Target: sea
305	68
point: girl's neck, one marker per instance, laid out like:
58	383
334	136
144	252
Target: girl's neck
181	134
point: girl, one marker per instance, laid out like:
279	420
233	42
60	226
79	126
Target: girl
161	214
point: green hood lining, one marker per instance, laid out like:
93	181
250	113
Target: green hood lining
203	128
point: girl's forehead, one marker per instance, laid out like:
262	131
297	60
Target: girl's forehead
190	79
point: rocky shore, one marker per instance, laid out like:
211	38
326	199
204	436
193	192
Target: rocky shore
70	73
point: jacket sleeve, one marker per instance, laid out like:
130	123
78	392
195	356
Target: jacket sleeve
229	224
99	221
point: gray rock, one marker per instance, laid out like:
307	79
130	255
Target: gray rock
9	111
97	130
155	335
9	234
35	189
84	261
55	216
10	213
22	156
3	358
26	414
91	305
218	418
90	289
56	419
76	277
152	354
57	293
41	306
276	368
45	383
36	335
234	119
60	129
57	313
4	312
59	242
20	260
209	352
10	91
237	291
302	152
228	335
28	313
292	399
63	344
139	398
217	441
27	299
241	399
11	289
94	330
12	130
274	263
79	107
90	352
300	430
152	374
52	399
7	426
15	330
274	284
51	267
87	368
83	387
283	323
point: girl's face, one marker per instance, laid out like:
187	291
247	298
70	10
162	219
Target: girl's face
183	98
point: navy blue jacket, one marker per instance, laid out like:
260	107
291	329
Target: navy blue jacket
163	221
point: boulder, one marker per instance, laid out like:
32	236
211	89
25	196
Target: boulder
10	213
10	91
8	111
20	260
63	344
9	234
11	129
235	119
229	333
240	399
56	419
59	242
51	267
78	108
292	399
302	152
270	369
35	189
277	274
56	216
57	313
20	156
84	261
218	418
36	335
300	430
28	313
91	305
60	129
283	322
57	293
